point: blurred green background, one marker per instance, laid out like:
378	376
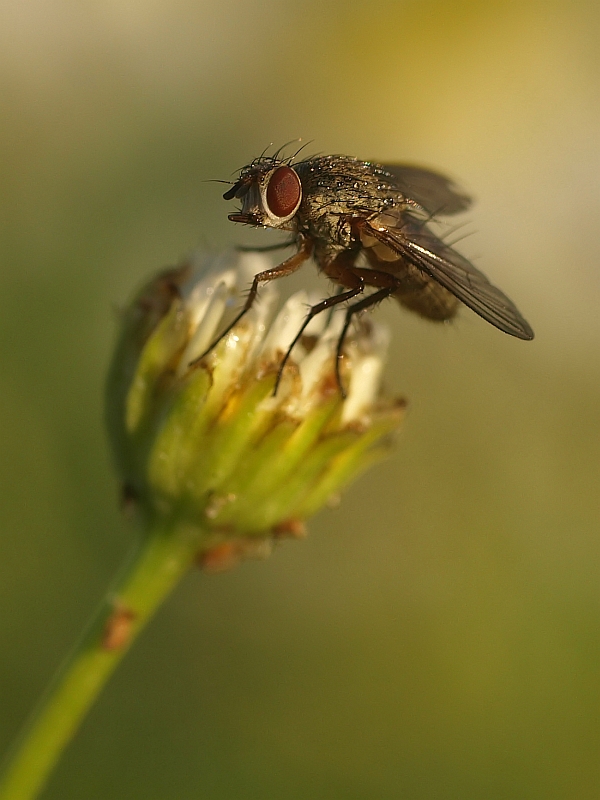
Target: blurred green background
437	635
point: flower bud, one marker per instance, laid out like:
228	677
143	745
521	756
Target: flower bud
208	441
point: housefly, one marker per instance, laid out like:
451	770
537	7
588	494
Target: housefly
368	227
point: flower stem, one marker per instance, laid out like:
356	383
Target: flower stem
166	553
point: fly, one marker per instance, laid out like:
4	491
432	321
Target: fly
368	227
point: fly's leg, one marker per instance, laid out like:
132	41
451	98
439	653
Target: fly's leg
330	315
386	285
367	302
340	270
288	266
329	302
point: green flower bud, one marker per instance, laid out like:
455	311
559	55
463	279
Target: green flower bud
209	442
214	462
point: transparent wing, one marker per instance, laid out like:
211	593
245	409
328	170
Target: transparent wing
432	191
418	245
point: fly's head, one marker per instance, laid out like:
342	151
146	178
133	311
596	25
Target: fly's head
270	191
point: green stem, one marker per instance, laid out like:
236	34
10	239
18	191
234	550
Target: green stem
167	552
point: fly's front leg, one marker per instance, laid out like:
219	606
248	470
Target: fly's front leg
288	266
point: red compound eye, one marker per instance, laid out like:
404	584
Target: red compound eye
283	192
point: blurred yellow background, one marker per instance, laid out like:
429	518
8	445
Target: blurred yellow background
437	635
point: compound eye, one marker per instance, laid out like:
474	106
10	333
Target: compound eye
283	192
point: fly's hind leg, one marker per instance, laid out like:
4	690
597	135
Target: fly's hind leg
386	285
341	269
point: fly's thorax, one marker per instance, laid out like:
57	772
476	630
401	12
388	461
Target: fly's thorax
325	221
337	190
351	183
